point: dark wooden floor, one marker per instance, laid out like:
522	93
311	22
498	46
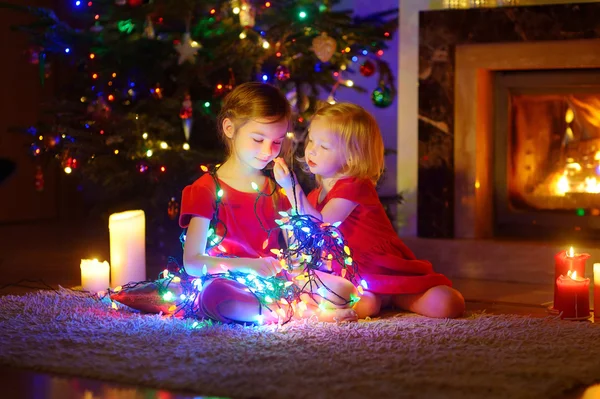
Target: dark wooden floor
50	253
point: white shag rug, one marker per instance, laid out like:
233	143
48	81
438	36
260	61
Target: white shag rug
483	356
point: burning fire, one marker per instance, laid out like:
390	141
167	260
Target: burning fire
570	181
576	178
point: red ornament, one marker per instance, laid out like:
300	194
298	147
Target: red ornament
173	208
186	108
39	179
135	3
34	53
367	68
142	167
186	114
69	162
282	73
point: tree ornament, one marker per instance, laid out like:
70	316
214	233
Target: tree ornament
34	53
367	68
35	149
173	208
39	178
157	92
247	15
52	141
187	49
114	139
149	28
37	56
300	106
186	115
69	164
223	89
47	70
382	96
126	26
142	166
324	47
282	73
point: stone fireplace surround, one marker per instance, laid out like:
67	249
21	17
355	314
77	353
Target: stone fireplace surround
459	52
474	112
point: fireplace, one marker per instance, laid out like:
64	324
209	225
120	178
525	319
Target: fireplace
502	164
461	54
546	129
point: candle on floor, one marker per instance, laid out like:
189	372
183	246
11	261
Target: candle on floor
597	290
566	261
94	275
127	247
573	296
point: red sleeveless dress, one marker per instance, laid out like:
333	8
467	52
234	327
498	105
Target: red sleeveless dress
387	265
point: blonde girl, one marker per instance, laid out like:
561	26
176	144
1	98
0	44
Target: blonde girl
344	150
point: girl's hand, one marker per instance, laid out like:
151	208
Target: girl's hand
266	267
282	174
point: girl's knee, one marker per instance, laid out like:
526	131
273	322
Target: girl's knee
450	302
336	290
368	305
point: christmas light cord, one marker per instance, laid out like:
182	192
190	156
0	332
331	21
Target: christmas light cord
312	245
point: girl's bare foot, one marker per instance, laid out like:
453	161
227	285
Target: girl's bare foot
337	315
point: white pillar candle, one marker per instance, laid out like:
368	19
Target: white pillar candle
127	247
94	275
596	290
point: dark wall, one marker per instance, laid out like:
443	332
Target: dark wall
21	93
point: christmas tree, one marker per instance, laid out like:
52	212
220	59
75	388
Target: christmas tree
136	119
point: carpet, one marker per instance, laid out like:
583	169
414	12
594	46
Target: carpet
482	356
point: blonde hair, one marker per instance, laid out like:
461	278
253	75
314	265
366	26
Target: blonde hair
252	101
359	135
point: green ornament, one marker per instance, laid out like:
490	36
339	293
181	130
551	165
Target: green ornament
125	26
382	96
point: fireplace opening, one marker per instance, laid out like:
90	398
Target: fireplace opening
547	153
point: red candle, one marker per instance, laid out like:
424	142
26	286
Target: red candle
597	291
573	296
566	261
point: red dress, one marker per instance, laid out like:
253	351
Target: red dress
244	236
383	260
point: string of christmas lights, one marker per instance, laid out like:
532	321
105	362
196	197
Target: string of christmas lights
312	246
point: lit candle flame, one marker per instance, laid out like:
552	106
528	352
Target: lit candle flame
573	274
570	254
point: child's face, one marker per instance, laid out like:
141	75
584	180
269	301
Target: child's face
324	152
258	142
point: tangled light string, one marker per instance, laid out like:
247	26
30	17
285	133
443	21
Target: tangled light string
177	292
312	245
